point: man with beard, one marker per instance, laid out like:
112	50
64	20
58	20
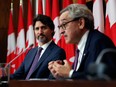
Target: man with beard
31	67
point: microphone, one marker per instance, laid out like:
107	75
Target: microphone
100	56
30	46
104	67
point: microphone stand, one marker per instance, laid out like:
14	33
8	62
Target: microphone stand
18	55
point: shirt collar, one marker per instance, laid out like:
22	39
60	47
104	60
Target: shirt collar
82	42
46	45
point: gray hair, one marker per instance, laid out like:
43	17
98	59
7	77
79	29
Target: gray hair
80	11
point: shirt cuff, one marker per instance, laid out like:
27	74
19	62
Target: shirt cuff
70	73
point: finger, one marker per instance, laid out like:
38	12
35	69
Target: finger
65	61
50	62
49	67
59	62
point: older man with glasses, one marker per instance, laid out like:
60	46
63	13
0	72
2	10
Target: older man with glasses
77	26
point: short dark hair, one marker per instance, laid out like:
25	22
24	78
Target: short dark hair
46	20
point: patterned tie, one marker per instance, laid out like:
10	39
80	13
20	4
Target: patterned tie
34	63
76	60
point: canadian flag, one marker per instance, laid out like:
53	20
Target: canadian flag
30	39
55	18
20	46
98	15
11	44
110	27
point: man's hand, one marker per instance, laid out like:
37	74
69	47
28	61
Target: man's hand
60	70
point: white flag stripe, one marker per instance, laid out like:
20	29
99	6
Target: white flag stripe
111	11
57	35
43	6
11	43
30	36
98	15
36	7
21	41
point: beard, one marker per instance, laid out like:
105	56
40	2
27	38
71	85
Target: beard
42	38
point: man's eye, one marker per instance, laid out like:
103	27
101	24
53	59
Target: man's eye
63	24
36	28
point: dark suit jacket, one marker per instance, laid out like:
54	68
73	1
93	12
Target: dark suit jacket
53	52
96	42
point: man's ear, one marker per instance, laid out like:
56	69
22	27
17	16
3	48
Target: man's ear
81	23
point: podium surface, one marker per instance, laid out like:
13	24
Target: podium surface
62	83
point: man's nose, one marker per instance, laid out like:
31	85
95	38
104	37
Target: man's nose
40	30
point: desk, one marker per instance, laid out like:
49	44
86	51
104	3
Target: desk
53	83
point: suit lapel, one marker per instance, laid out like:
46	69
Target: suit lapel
46	54
31	57
87	46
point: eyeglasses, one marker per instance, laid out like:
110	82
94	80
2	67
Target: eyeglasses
63	26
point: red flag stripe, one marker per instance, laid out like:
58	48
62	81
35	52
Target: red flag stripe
40	8
81	1
48	8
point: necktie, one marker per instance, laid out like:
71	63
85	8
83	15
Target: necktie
76	60
34	63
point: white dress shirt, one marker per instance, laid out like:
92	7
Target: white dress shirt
81	47
44	47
